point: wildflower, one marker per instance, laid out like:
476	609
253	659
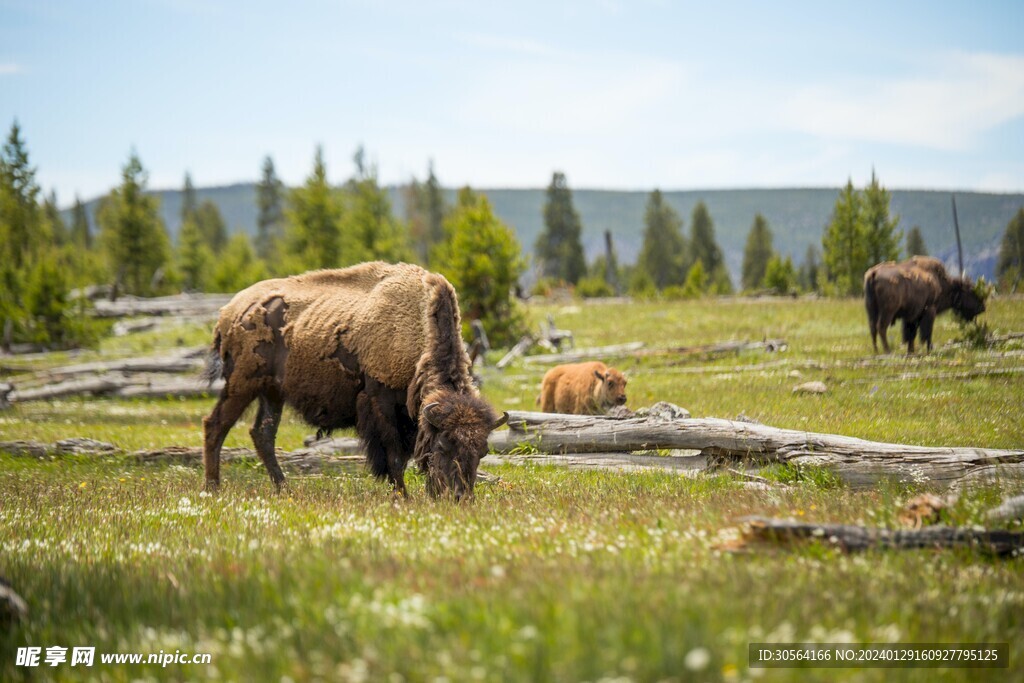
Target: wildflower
697	659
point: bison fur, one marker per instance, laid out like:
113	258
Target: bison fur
582	389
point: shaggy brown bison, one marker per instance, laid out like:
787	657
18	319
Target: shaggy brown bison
582	389
915	291
375	346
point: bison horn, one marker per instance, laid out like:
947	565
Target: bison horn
430	412
501	420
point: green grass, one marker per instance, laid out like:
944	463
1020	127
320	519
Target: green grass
550	574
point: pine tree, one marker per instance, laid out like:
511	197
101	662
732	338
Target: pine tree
189	203
133	234
20	215
483	260
425	211
705	249
915	243
1010	265
844	244
882	239
808	274
313	234
780	276
194	256
56	230
270	218
664	247
369	228
81	232
757	253
237	267
559	249
211	226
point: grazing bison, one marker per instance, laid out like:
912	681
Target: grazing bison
582	389
915	291
375	346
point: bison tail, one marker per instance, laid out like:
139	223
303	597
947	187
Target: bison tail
214	368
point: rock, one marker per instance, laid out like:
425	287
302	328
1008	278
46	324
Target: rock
810	388
743	417
620	412
12	607
795	374
664	411
83	446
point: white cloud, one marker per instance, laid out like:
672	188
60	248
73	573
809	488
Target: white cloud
963	96
10	68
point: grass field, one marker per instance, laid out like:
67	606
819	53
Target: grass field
550	574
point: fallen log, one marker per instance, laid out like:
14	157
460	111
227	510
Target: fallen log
519	349
852	538
585	354
187	360
1009	509
177	305
182	387
856	461
104	384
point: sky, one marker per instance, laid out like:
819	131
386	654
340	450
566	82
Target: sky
631	94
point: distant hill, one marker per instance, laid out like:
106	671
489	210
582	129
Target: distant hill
797	217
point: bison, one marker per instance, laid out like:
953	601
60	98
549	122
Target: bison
375	346
915	290
582	389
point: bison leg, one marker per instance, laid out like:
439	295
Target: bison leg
264	432
384	431
909	333
215	429
927	324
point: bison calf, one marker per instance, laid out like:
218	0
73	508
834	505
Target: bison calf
582	389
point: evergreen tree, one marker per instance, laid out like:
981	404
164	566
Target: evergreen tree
189	203
780	276
882	239
211	226
559	249
664	247
194	256
483	260
20	215
57	229
915	243
809	269
270	219
313	234
696	283
46	302
1010	265
425	211
81	232
844	244
237	266
133	234
369	228
757	253
705	249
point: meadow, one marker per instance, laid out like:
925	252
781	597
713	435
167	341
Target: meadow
549	574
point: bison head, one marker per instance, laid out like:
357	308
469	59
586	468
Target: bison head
454	430
612	390
966	302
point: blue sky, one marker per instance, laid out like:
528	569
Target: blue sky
628	95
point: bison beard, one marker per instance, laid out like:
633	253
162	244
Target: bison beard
914	291
374	346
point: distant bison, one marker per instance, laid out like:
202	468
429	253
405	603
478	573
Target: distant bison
376	347
582	389
915	291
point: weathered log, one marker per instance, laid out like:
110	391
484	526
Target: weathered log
577	355
769	345
179	304
852	538
1009	509
519	349
857	461
181	387
104	384
187	360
